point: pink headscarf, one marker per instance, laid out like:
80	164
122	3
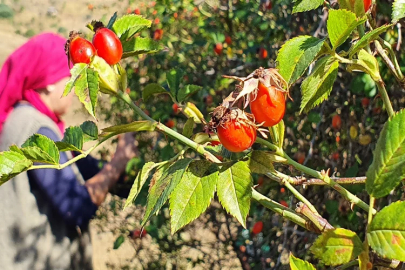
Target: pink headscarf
36	64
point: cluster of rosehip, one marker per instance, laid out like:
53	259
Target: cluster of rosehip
105	44
264	92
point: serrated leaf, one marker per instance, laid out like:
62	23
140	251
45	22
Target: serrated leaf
140	180
151	90
128	25
90	131
337	246
356	6
188	127
296	55
187	91
306	5
107	78
131	127
119	241
86	89
234	190
398	10
318	86
75	74
139	45
193	194
367	38
72	140
12	163
173	78
261	162
386	233
366	63
40	148
341	24
161	190
298	264
388	167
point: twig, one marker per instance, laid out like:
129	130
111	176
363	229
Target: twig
319	182
399	42
321	223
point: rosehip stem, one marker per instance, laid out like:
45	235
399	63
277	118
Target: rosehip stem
323	176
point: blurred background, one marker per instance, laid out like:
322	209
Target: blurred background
208	39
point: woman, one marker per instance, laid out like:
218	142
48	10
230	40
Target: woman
45	213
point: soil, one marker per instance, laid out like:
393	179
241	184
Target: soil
212	252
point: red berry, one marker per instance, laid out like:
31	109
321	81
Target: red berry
365	102
284	203
108	45
175	15
367	5
157	35
79	50
267	105
336	156
263	53
170	123
218	48
157	20
175	108
137	11
282	190
300	157
258	227
236	136
336	122
228	40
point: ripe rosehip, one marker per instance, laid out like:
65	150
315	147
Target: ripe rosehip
367	5
300	157
175	108
175	15
157	21
138	233
170	123
157	35
258	227
236	136
284	203
263	53
268	105
228	40
282	190
218	48
336	122
79	50
336	156
108	45
137	11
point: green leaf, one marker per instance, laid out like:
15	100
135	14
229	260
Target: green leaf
386	233
367	38
119	241
305	5
296	55
298	264
86	89
161	190
356	6
90	131
107	78
139	45
72	140
140	180
234	190
193	194
261	162
318	86
173	78
388	167
398	10
188	127
131	127
11	164
128	25
40	148
187	91
341	24
337	246
112	21
75	74
366	63
151	90
277	133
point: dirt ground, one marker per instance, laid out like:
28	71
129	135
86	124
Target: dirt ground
36	16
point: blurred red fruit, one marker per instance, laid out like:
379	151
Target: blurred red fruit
337	139
258	227
284	203
175	108
336	122
157	21
282	190
365	102
228	40
154	12
300	157
157	35
263	53
175	15
218	48
336	156
90	7
137	11
170	123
